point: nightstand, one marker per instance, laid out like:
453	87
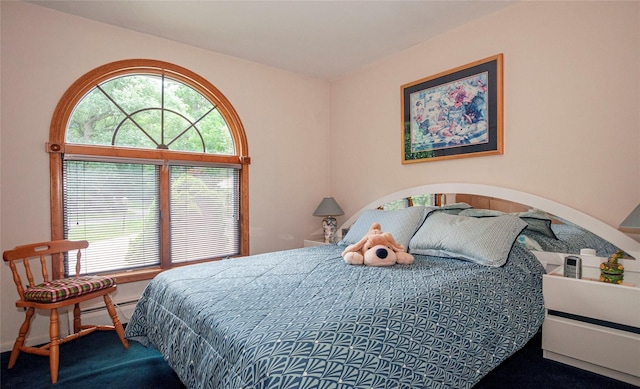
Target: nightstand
314	240
593	325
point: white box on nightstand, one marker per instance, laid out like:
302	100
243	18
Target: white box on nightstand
593	325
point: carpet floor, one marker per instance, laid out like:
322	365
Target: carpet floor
99	361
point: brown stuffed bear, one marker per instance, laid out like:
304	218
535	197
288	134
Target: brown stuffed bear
377	248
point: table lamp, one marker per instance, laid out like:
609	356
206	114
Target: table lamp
632	223
329	208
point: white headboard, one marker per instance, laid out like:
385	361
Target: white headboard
605	231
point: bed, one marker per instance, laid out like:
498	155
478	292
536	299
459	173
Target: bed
304	318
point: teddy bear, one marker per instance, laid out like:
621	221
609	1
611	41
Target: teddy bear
377	248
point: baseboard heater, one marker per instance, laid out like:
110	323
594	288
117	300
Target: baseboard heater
99	315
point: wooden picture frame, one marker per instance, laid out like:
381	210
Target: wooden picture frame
454	114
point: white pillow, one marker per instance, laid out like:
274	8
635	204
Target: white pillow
401	223
529	243
486	241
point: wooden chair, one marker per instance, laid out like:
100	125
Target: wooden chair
54	294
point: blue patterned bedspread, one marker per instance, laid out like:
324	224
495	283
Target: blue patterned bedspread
305	319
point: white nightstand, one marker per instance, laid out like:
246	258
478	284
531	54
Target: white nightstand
594	325
314	240
317	240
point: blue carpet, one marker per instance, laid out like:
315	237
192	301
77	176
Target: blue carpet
99	361
527	369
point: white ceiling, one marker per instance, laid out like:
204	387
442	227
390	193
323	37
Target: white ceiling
322	39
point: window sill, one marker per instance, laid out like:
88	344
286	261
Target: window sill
136	275
150	272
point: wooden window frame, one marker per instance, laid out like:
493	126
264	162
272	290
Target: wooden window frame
56	147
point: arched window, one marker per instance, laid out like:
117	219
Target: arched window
149	163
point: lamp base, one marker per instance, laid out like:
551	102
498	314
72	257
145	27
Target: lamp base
329	226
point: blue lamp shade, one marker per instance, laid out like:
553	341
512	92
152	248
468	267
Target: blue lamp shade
632	223
329	208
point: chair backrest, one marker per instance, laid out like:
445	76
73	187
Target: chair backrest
52	249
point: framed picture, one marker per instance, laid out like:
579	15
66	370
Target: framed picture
454	114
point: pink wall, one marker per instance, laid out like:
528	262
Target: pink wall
571	109
43	52
572	122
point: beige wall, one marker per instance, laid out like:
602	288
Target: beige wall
286	118
572	97
571	109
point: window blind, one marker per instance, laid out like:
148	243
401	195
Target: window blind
204	203
115	207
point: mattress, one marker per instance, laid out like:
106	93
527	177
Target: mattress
304	318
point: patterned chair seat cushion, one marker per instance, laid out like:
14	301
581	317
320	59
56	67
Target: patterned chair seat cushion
66	288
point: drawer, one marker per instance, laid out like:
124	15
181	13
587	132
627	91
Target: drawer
598	300
606	347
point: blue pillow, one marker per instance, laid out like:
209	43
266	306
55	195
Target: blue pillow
452	209
486	241
401	223
538	221
478	212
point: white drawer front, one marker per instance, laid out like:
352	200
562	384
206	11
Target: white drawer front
610	348
597	300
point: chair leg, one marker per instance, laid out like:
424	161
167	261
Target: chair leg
54	348
77	322
22	334
116	321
